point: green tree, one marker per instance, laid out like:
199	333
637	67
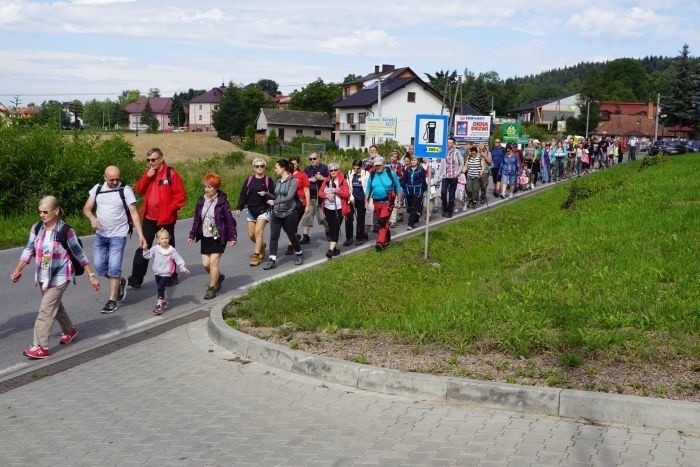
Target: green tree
269	86
149	119
316	97
227	119
678	106
272	140
479	97
76	108
249	138
52	115
178	117
442	80
351	77
153	92
625	80
128	96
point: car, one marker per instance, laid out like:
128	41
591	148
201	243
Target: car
673	147
655	147
644	146
692	145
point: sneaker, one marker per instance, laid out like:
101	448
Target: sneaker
270	265
299	260
464	209
110	307
502	196
160	308
329	253
121	291
68	338
348	242
211	293
378	246
305	239
218	282
172	281
409	227
336	251
133	283
359	241
36	352
255	260
290	250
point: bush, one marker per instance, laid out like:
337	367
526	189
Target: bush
35	162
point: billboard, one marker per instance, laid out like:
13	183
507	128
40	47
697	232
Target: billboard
380	127
472	127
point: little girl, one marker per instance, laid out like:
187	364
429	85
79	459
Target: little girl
165	261
460	192
524	180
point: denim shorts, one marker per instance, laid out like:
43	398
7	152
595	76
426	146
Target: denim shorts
249	217
508	179
107	255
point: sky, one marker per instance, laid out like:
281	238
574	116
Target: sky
85	49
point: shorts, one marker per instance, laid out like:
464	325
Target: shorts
107	255
208	246
265	216
508	179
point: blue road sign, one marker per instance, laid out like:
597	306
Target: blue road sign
431	136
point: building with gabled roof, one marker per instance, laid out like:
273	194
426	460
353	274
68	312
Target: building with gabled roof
289	124
201	109
388	92
161	111
545	111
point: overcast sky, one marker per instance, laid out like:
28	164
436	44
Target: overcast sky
96	48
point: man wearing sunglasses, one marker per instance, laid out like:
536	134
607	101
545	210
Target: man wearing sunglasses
317	173
116	207
163	196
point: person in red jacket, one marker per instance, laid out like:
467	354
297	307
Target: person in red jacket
163	196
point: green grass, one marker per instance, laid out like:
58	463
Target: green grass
607	265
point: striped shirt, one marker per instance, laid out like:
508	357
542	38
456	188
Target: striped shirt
473	167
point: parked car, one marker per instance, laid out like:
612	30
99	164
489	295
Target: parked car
692	145
655	147
644	146
673	147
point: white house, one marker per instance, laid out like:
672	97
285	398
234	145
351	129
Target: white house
403	96
201	109
544	111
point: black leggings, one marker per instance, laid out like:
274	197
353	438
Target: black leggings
357	210
289	224
140	265
334	219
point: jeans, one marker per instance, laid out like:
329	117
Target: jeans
107	255
449	187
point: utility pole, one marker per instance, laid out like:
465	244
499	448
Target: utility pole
658	110
588	113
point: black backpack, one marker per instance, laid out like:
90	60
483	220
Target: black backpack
126	208
62	236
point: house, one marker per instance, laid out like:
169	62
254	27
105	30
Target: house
545	111
160	106
201	109
27	111
282	101
291	123
403	96
631	125
644	109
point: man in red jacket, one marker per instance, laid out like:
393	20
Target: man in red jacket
163	196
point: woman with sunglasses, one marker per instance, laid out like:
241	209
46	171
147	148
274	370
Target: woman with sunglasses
335	193
357	178
258	214
48	243
213	226
303	196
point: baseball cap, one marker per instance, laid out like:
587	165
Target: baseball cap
379	160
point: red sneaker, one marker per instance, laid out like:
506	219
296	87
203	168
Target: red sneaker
36	352
68	338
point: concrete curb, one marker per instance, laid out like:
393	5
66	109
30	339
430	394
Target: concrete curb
593	406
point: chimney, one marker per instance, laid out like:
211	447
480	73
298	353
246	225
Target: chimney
386	68
376	69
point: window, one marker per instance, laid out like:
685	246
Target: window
361	117
350	118
299	131
200	117
347	141
411	97
317	132
216	106
200	106
362	141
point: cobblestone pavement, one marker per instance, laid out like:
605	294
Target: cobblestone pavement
177	399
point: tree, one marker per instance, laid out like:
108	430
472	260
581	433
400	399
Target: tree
479	97
443	81
625	80
350	78
177	111
316	97
269	86
227	119
149	119
679	106
154	92
76	108
127	97
52	115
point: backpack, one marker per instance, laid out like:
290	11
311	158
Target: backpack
371	178
126	208
250	179
62	236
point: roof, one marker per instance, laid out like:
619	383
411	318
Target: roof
296	118
535	104
159	105
368	96
629	125
386	74
462	108
212	96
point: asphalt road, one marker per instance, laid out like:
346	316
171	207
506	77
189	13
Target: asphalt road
19	302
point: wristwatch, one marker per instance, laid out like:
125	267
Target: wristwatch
92	274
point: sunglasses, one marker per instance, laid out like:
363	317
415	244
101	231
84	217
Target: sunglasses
313	158
43	212
332	170
259	166
152	159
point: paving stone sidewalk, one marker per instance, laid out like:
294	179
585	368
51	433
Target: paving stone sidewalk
178	399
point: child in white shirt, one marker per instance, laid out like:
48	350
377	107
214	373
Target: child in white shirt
166	260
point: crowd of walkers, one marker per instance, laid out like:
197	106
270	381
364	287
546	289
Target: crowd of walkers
374	195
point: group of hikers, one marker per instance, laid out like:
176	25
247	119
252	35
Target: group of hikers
374	194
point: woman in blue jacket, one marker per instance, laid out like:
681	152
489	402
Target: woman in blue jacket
510	168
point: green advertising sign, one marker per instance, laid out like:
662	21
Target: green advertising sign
511	132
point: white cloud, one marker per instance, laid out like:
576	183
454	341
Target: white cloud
100	2
610	23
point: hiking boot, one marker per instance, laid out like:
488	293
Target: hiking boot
299	260
378	246
271	264
329	253
255	260
211	293
68	338
121	291
218	282
133	283
305	239
290	250
348	242
336	251
110	307
36	352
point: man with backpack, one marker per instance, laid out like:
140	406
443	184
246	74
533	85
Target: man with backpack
163	196
113	221
384	188
317	173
